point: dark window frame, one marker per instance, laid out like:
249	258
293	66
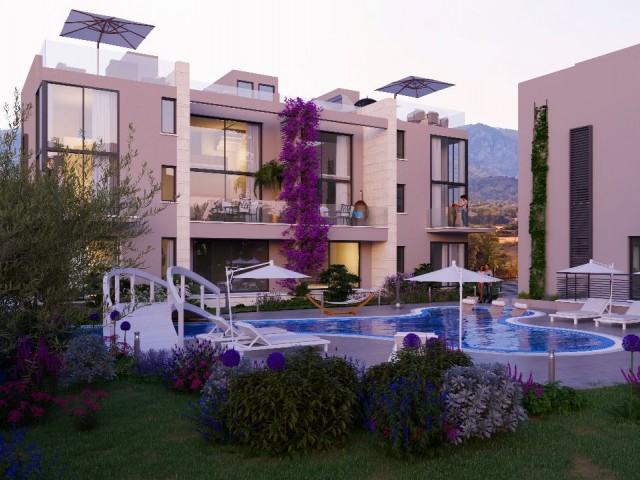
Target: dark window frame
431	253
322	179
400	258
175	115
400	197
162	176
175	249
400	144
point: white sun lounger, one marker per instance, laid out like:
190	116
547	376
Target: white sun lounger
256	341
631	316
497	307
222	331
519	309
593	307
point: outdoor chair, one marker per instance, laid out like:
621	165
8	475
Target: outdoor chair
344	216
497	307
254	340
519	309
469	303
223	332
631	316
593	307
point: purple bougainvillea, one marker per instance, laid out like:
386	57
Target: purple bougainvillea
275	361
305	240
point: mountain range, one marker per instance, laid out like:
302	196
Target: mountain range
493	163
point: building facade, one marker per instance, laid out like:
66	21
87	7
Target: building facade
593	168
388	175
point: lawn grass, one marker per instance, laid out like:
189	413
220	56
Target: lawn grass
145	434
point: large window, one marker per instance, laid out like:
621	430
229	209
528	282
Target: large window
266	92
448	177
224	155
245	89
335	168
342	253
443	253
210	257
78	126
168	115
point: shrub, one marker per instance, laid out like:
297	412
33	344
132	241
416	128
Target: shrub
339	282
83	408
482	400
149	365
552	398
187	369
86	360
310	404
407	416
20	403
22	459
40	365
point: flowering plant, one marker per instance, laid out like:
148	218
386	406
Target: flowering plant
83	408
631	343
276	361
305	241
188	368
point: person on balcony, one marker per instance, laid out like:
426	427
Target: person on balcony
463	205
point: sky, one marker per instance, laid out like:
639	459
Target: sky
484	47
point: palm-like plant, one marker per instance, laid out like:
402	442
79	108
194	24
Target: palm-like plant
269	174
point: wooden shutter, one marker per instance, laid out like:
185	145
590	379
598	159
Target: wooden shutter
581	195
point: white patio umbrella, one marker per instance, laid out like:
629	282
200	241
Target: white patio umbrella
262	271
459	275
596	268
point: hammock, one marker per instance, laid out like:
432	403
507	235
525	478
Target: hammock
357	304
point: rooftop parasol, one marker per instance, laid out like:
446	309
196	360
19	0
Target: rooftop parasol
414	87
105	29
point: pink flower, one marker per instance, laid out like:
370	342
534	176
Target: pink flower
36	411
196	384
14	416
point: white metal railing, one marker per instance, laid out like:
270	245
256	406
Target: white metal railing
178	295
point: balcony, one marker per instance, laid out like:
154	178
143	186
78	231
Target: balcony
268	211
126	65
453	220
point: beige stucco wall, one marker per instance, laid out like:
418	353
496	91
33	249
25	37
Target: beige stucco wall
602	92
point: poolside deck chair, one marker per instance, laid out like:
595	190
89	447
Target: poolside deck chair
593	307
398	344
519	309
222	331
631	316
354	305
256	341
469	303
497	307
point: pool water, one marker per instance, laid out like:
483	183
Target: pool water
481	331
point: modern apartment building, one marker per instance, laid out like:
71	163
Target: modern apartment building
204	141
594	166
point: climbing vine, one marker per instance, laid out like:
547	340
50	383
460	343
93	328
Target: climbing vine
538	205
305	240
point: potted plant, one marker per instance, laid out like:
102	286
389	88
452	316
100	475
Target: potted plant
269	174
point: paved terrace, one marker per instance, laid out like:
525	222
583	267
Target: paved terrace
589	370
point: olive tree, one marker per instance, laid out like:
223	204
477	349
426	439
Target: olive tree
62	229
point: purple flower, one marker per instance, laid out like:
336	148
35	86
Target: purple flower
276	361
125	326
411	341
631	343
94	317
115	315
231	358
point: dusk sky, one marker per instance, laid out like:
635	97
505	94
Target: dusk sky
485	47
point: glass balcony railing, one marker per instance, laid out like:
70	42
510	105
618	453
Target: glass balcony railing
418	113
231	90
268	211
128	65
452	217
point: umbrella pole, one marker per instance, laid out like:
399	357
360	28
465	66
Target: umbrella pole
460	318
610	292
98	59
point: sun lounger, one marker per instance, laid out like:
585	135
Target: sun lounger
593	307
256	341
354	305
631	316
469	303
497	307
222	331
519	309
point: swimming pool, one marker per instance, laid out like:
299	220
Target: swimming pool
481	332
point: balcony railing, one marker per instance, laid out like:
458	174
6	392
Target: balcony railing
268	211
128	65
571	286
452	217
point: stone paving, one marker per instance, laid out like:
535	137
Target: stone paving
587	370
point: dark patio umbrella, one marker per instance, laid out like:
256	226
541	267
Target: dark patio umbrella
105	29
414	87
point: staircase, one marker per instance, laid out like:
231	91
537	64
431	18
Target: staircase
148	303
